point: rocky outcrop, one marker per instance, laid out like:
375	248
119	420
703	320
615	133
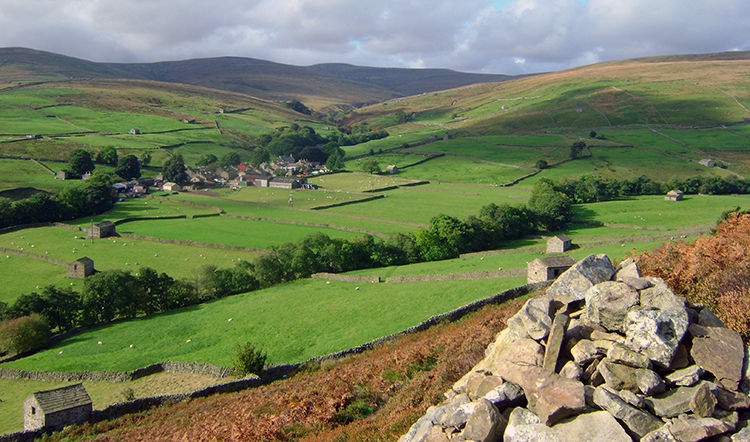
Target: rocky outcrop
604	354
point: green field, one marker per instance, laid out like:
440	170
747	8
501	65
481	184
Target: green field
356	182
293	321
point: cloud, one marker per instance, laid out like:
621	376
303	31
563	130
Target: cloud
472	35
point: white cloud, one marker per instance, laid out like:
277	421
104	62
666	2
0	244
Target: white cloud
472	35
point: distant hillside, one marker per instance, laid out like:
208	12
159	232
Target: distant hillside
319	86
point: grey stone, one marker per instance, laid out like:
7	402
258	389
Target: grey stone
661	297
584	351
719	351
476	390
525	426
598	335
512	362
731	400
660	435
656	333
516	328
485	424
707	318
731	418
689	428
649	382
571	370
436	434
421	428
638	422
607	304
636	283
598	425
552	397
681	358
632	398
456	415
621	354
674	402
554	341
687	377
742	436
703	402
618	376
535	316
590	372
746	373
572	285
505	395
627	269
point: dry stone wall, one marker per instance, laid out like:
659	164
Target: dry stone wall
604	354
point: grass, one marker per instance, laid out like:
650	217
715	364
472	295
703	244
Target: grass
25	173
142	207
38	274
103	394
356	182
293	322
303	199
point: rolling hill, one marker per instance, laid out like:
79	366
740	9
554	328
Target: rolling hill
319	86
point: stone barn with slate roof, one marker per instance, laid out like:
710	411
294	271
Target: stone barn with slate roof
674	195
56	408
548	268
81	268
101	230
559	243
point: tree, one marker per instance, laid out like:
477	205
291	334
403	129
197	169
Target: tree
248	359
259	156
552	208
61	307
230	159
174	170
207	159
336	160
107	156
576	149
313	154
24	334
592	134
401	116
129	167
299	107
371	166
146	158
541	164
80	162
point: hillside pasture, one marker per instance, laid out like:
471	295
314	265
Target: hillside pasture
303	199
142	207
356	182
293	322
36	275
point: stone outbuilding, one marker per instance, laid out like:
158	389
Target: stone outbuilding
62	175
171	187
391	169
56	408
559	243
81	268
708	162
134	131
674	195
287	182
548	268
101	230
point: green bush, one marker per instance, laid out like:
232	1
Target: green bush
24	334
248	359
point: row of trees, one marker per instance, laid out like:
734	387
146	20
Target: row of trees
91	197
590	188
127	167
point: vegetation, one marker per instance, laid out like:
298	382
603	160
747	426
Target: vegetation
248	359
80	162
174	170
23	334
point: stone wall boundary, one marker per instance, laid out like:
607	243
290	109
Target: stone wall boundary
34	256
206	215
347	278
148	218
424	160
346	203
460	276
396	186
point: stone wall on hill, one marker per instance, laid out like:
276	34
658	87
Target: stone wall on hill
604	354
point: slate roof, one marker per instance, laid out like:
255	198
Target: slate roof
556	261
85	260
64	398
562	237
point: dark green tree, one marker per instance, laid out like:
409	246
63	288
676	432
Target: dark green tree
129	167
230	159
80	162
260	155
107	156
576	149
336	160
552	208
207	159
146	158
371	166
174	170
62	306
541	164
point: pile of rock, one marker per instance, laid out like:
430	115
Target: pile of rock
604	354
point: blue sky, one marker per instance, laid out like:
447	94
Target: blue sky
497	36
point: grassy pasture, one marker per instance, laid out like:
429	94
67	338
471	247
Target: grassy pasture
102	394
487	149
36	274
142	207
356	182
294	322
230	231
303	199
462	170
25	173
711	139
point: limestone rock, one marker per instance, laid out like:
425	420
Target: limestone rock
632	399
703	401
485	424
525	426
618	376
571	370
636	283
674	402
607	304
731	400
627	269
535	316
639	422
436	434
554	342
512	363
649	382
692	429
552	397
661	297
660	435
621	354
687	377
707	318
656	333
584	351
573	283
720	352
505	395
599	425
742	436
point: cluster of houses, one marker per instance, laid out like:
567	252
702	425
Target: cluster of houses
284	173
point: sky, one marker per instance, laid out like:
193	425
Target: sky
489	36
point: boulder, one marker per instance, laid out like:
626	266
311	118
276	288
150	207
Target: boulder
689	428
572	285
636	283
584	351
656	333
707	318
638	422
552	397
621	354
525	426
571	370
483	387
554	342
618	376
742	436
731	400
674	402
632	399
660	435
505	395
659	296
485	424
535	316
649	382
607	304
627	269
687	377
719	351
703	401
514	361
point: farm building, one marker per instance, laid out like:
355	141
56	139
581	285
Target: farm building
101	230
62	175
548	268
81	268
707	162
262	181
134	131
171	187
674	195
559	243
56	408
391	169
287	182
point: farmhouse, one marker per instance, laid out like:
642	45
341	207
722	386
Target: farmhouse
559	243
81	268
548	268
101	230
391	169
56	408
674	195
171	187
287	182
707	162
